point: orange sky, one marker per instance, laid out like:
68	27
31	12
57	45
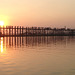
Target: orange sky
54	13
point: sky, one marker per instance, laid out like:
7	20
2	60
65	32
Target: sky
49	13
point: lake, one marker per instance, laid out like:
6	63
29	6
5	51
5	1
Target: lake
40	55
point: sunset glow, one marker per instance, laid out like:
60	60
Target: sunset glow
1	23
4	20
53	13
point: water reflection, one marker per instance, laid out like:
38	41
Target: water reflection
40	55
35	41
2	45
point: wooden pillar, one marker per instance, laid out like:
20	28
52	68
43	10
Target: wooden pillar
3	30
29	31
47	31
44	31
9	30
12	30
53	31
32	30
40	30
26	31
20	30
17	30
6	30
36	30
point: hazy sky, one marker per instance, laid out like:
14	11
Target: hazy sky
54	13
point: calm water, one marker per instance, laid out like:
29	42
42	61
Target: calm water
37	55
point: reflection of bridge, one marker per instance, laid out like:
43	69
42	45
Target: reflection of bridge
37	40
34	31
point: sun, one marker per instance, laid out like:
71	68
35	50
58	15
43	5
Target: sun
1	23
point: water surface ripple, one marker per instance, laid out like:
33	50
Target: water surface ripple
52	55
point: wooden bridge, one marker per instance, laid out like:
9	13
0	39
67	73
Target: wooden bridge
34	31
